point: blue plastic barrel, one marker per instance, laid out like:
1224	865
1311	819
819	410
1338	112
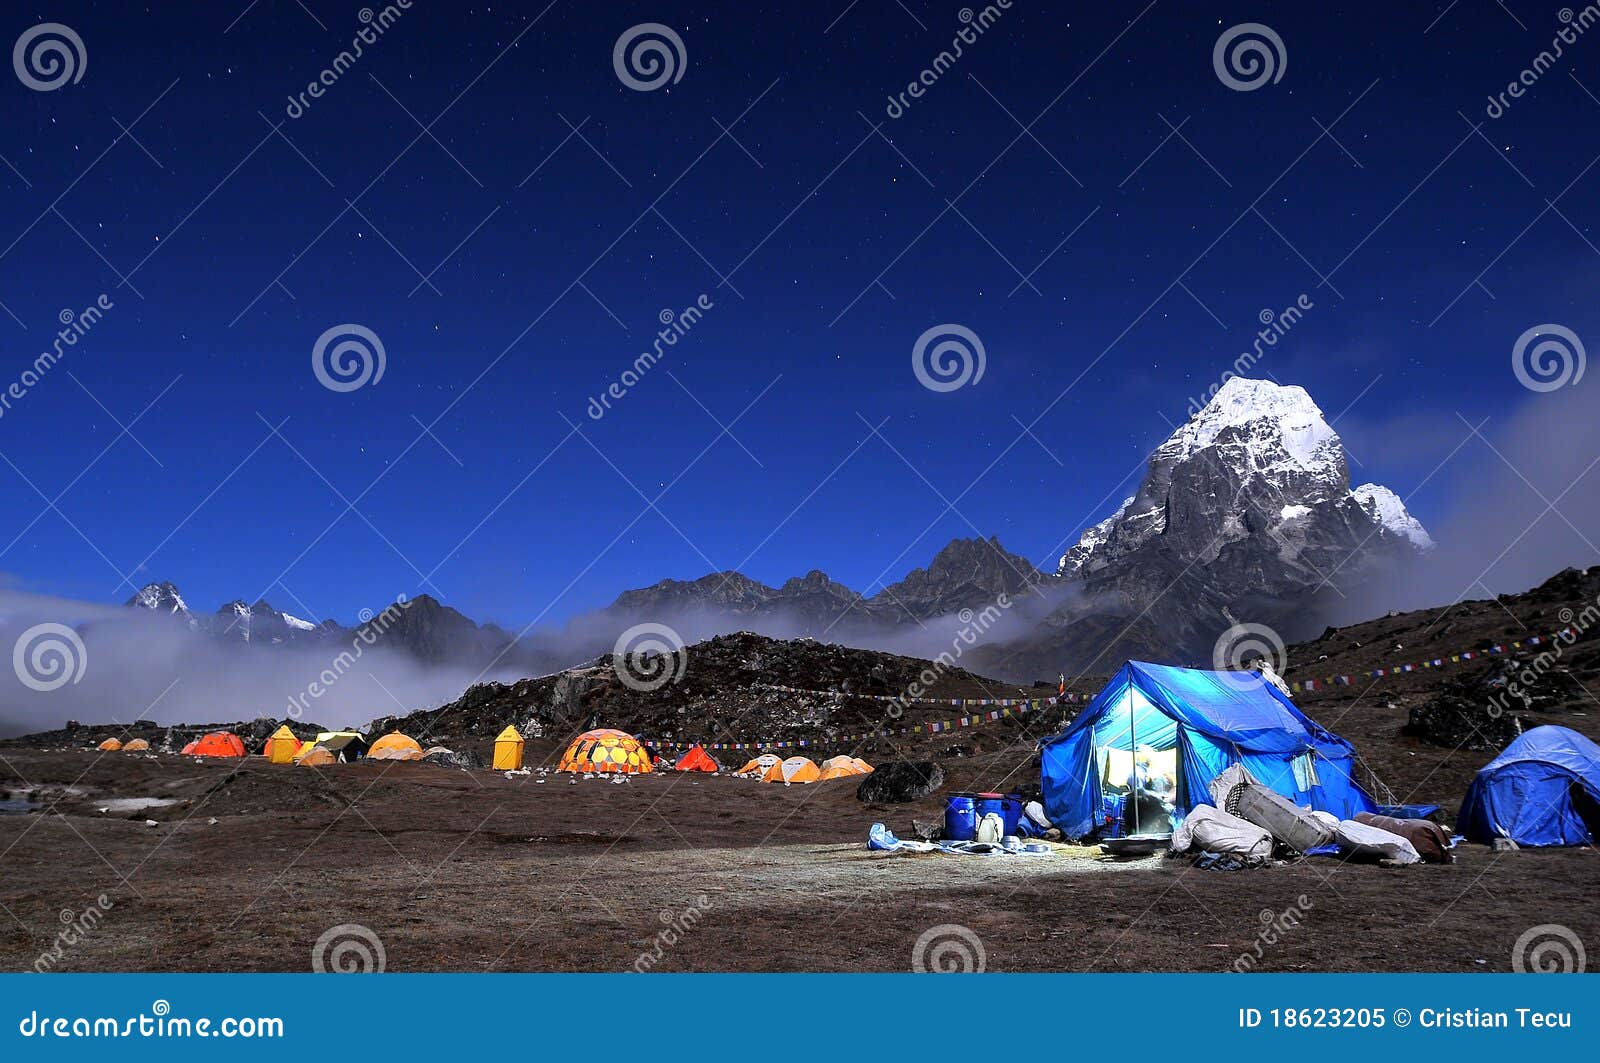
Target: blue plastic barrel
960	818
1007	806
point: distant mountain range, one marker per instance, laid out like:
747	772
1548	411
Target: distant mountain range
1245	512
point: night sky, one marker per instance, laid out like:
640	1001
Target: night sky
483	192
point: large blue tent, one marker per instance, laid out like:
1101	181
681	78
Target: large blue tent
1212	720
1544	789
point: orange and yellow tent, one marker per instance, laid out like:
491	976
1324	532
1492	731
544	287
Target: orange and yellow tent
395	746
606	750
697	759
759	766
282	746
110	745
316	757
135	745
795	769
217	744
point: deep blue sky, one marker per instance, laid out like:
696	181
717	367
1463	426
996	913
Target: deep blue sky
510	345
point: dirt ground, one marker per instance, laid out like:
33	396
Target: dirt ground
251	864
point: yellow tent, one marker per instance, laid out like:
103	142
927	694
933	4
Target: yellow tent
282	746
508	750
394	746
110	745
795	769
759	766
842	767
137	745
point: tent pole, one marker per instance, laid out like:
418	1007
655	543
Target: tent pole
1133	760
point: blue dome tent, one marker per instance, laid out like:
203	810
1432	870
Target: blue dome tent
1543	789
1204	722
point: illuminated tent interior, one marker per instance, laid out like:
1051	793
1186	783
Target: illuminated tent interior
1173	730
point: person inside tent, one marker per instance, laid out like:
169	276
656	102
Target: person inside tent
1150	796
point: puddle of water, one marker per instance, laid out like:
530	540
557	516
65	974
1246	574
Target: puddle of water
134	804
16	806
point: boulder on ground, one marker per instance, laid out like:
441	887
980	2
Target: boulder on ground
899	781
452	758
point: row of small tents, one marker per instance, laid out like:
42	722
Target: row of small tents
603	750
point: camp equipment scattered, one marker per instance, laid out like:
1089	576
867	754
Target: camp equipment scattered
606	750
960	817
508	747
1543	789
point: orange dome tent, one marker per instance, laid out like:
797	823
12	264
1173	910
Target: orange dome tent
395	746
316	757
606	750
110	745
759	766
189	748
697	759
217	744
136	745
795	769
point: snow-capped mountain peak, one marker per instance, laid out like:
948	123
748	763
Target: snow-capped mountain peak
1258	475
160	597
1385	507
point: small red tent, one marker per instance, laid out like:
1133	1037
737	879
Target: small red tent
697	759
217	744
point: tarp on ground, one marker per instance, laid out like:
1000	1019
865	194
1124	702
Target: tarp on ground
1543	789
1212	720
